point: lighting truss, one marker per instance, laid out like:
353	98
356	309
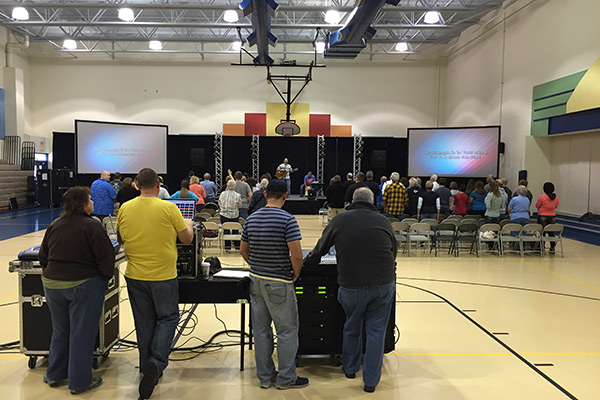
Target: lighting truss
218	153
320	162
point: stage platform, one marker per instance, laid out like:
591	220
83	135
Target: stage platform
295	204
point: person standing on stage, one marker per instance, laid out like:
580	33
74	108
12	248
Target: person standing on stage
149	227
271	246
286	169
366	249
103	196
77	260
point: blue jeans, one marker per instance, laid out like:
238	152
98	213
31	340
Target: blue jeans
371	305
428	216
520	221
243	213
288	182
276	302
75	314
156	315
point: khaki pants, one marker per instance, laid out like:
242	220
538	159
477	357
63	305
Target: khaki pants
333	212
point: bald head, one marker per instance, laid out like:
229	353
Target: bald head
105	175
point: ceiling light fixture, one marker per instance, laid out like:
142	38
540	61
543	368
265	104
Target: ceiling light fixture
126	14
20	14
69	44
231	16
155	45
432	17
332	17
402	47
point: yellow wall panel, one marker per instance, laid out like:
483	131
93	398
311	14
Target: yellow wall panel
299	112
587	93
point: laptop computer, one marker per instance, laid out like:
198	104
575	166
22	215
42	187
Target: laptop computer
186	206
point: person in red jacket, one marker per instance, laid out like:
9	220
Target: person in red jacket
546	205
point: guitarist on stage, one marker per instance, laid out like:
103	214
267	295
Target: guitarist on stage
283	172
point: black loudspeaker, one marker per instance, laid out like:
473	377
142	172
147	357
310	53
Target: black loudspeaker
378	158
13	203
196	157
44	180
501	147
523	174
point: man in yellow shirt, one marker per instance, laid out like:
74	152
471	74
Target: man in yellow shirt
148	228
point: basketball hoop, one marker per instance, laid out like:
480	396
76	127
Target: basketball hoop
287	128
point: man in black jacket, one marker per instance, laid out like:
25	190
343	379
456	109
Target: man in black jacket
366	253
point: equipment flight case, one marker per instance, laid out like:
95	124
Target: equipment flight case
34	313
322	317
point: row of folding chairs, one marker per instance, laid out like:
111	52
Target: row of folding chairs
472	234
215	234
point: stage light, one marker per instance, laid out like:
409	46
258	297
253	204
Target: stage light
432	17
230	16
320	47
126	14
155	45
332	17
20	14
402	47
69	44
237	45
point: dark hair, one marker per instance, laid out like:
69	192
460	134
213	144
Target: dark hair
335	179
479	187
442	181
495	188
404	181
470	186
549	188
462	187
274	195
74	200
191	173
127	182
369	174
360	176
238	175
117	176
453	185
185	187
147	178
251	182
523	182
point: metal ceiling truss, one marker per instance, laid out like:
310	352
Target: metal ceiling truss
186	27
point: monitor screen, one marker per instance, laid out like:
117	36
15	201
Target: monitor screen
466	152
186	206
120	147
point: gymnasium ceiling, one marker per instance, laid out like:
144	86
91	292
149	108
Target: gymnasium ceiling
198	28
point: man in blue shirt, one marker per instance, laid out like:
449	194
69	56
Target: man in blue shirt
269	236
210	188
103	196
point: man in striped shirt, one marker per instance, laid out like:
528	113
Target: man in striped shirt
270	235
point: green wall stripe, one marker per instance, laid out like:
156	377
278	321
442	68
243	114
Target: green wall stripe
550	100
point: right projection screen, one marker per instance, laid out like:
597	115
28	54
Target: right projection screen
467	152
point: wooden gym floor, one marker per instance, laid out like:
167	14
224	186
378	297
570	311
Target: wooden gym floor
471	328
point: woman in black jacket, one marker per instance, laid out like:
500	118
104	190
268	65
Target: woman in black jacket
77	260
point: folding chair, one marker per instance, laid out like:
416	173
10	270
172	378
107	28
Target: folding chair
393	219
419	233
507	238
444	233
210	211
401	233
495	240
216	220
554	232
467	232
410	221
211	234
531	234
324	212
110	224
230	231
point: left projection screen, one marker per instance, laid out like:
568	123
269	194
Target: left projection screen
120	147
